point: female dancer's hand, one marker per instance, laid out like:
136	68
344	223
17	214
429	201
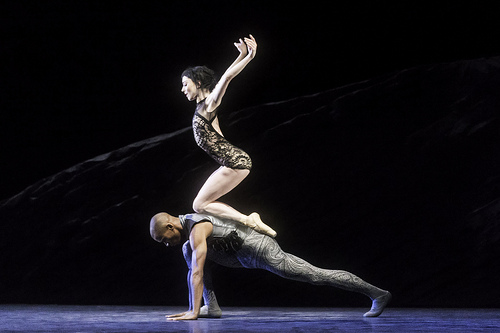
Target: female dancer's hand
251	45
241	46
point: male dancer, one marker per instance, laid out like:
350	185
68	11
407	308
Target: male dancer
232	244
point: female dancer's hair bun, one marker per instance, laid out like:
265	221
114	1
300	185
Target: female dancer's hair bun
201	75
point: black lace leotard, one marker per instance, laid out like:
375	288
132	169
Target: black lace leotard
217	146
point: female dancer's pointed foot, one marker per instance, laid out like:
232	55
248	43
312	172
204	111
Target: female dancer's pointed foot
259	226
378	305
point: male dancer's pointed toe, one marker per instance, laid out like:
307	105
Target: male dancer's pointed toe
378	305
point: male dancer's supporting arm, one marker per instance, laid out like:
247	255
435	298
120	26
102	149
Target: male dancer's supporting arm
198	242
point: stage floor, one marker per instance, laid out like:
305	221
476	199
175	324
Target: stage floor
52	318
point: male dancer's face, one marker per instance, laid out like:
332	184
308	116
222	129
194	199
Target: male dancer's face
170	236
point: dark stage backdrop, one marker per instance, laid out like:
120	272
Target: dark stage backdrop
395	179
382	159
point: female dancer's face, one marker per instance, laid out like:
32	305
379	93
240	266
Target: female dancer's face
189	88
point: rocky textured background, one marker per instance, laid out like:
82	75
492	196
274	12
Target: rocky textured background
395	179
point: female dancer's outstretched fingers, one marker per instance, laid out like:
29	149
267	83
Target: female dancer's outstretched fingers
252	45
241	46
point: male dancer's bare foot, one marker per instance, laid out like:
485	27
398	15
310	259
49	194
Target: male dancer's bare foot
378	305
256	223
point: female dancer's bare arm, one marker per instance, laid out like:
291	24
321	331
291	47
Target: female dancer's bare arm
247	53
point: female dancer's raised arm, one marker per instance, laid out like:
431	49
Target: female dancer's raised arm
198	84
247	49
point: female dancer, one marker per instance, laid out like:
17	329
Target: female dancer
198	83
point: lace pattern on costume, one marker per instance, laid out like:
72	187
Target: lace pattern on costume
217	146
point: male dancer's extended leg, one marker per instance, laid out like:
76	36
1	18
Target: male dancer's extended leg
268	255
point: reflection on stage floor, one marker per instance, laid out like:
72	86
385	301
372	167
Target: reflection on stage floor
64	318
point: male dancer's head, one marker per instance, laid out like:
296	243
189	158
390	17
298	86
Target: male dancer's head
167	229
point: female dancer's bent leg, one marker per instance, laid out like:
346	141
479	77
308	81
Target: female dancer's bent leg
219	183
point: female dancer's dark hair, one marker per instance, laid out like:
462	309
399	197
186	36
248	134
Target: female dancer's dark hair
202	76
